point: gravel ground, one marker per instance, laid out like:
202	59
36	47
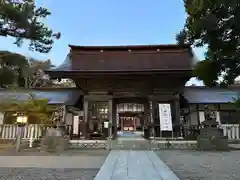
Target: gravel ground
71	152
189	165
46	174
80	165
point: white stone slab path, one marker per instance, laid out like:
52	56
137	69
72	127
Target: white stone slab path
134	165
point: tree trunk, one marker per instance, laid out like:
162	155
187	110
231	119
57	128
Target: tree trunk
26	82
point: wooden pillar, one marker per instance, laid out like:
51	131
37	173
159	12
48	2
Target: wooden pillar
83	125
114	117
146	112
121	123
153	116
146	119
85	110
177	115
110	117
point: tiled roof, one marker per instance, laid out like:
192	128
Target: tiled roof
65	66
68	97
128	61
210	95
128	58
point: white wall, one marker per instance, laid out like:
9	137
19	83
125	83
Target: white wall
201	116
193	118
69	118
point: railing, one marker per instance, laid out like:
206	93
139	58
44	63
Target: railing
231	131
8	131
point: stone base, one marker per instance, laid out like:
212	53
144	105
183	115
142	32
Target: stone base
54	141
54	144
211	139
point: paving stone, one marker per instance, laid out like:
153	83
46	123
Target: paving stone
134	165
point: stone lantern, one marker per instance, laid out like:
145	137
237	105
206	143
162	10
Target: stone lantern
211	136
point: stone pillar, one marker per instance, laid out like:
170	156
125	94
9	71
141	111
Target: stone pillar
177	115
110	117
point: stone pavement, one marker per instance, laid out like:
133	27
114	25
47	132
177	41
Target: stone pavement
134	165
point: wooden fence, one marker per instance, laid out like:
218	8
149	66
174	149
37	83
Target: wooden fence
8	131
231	130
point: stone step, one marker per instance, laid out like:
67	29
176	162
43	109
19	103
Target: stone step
131	144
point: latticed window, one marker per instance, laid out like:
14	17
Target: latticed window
98	110
97	114
103	111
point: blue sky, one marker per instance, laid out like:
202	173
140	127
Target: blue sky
107	22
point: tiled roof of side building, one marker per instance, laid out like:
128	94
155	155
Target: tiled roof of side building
205	95
68	96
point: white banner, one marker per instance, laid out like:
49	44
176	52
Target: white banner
75	125
165	117
105	124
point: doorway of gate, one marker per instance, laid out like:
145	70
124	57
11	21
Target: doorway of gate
130	122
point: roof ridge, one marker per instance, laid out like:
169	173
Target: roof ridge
140	46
